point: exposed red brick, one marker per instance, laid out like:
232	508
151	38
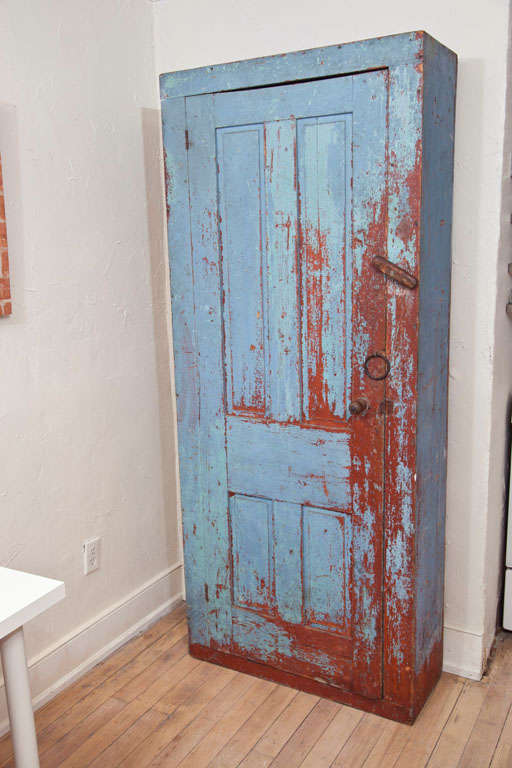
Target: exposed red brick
5	287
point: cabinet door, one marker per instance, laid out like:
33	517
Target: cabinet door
283	521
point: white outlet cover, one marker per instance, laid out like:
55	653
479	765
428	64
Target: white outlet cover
91	550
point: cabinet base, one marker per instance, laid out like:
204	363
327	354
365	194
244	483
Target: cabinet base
382	707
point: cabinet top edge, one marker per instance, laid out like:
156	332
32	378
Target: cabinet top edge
313	63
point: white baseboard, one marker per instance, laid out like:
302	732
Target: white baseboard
464	653
58	666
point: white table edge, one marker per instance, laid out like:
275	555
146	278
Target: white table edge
28	612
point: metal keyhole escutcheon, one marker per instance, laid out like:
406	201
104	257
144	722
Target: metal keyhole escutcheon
377	366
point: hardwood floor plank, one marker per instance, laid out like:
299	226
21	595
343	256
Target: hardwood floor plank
333	738
213	699
502	757
184	689
78	690
48	740
105	735
488	726
157	679
256	759
182	744
163	656
457	730
307	734
64	747
5	749
283	727
286	724
360	742
102	693
216	739
185	741
129	740
425	732
389	746
173	640
105	669
250	732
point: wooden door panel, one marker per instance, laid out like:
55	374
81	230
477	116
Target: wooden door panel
291	567
287	543
324	153
251	552
327	558
305	466
282	271
275	103
313	587
285	189
240	185
293	648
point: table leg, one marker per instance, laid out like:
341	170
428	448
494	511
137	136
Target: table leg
19	700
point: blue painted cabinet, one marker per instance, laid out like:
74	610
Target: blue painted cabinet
309	209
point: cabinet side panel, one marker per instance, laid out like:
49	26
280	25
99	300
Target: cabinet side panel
185	357
440	67
401	348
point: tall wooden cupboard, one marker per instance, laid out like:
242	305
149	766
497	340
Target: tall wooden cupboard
309	218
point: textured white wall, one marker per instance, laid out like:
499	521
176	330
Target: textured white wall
191	35
85	403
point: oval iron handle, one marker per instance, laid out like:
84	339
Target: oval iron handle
394	272
385	371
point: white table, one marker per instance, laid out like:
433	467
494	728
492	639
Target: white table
22	597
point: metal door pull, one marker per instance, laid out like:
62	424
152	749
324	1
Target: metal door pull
359	407
394	272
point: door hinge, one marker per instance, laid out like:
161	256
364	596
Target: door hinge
187	143
395	273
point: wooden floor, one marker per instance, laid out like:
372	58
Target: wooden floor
151	704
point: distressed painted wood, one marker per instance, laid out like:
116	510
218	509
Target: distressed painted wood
314	534
374	53
432	383
305	466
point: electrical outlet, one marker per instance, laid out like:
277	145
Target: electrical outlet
91	549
